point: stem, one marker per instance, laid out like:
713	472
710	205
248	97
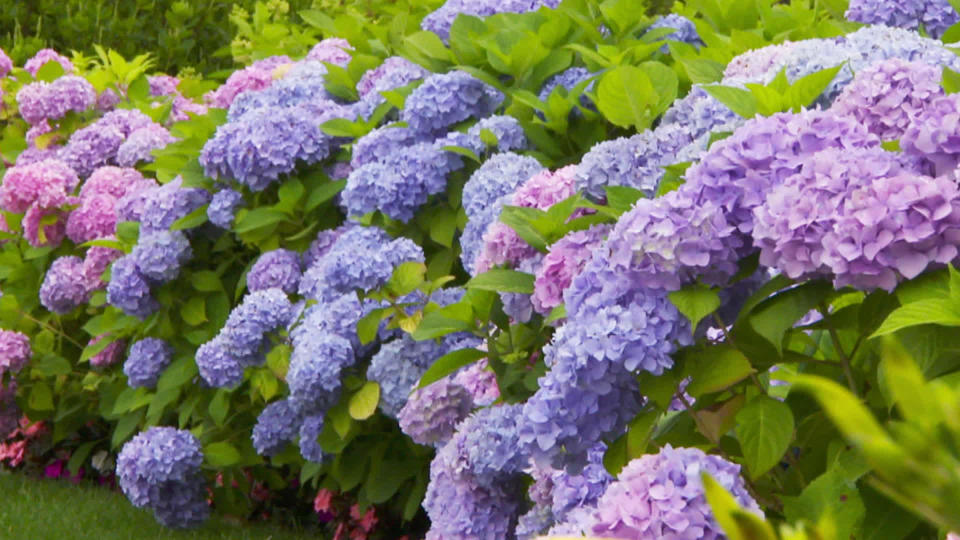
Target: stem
844	359
52	329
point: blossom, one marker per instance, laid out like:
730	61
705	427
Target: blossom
394	72
6	65
14	351
332	50
147	359
257	76
42	101
43	56
441	20
218	367
223	207
310	430
115	182
63	287
95	218
562	263
141	143
128	289
431	414
380	144
165	204
160	469
278	268
44	184
97	144
277	425
160	254
445	99
684	29
889	95
480	381
935	15
661	495
108	355
315	366
567	79
933	135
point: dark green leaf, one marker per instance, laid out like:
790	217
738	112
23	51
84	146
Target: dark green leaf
765	431
695	302
449	363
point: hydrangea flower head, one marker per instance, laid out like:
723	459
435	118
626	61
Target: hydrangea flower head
257	76
217	365
128	289
431	414
277	425
14	351
109	355
935	15
278	268
64	287
562	263
332	50
141	143
44	184
43	56
394	72
223	207
146	361
933	135
164	205
160	254
445	99
6	64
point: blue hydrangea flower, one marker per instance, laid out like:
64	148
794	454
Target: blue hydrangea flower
168	203
935	15
317	360
445	99
684	29
394	72
508	131
279	268
277	425
146	361
160	254
311	428
381	143
259	313
441	20
218	367
141	143
160	469
128	289
64	287
223	207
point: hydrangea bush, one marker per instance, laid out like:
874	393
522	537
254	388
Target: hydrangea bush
514	269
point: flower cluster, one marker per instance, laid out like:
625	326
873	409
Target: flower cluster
141	143
933	136
99	143
159	469
257	76
14	351
432	413
683	29
332	50
564	261
146	361
440	21
44	56
394	72
445	99
41	101
279	268
277	425
38	190
935	15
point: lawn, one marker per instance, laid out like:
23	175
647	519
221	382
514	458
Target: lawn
45	509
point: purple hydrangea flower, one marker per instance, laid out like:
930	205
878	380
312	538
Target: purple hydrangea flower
383	142
43	56
128	289
95	263
114	182
64	287
935	15
507	130
889	95
268	142
109	355
480	381
141	143
223	207
445	99
397	367
146	361
316	363
278	268
567	79
160	254
168	203
661	495
310	430
501	244
322	244
160	469
441	20
41	101
14	351
277	425
6	64
97	144
933	135
259	313
257	76
217	365
394	72
431	414
332	50
562	263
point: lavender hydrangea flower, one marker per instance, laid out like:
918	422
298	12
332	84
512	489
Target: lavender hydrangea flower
278	268
160	254
567	79
431	414
160	469
935	15
498	176
277	425
684	29
259	313
445	99
44	184
109	355
507	130
97	144
256	76
146	361
315	366
223	207
43	56
14	351
95	218
501	244
661	495
321	245
41	101
888	96
381	143
698	113
141	143
168	203
933	136
268	142
562	263
332	50
480	381
310	430
128	289
218	367
755	63
394	72
441	20
63	287
6	64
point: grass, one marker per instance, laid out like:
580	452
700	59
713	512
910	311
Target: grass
47	509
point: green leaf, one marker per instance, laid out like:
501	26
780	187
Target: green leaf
125	427
740	101
930	311
41	397
716	368
765	431
178	373
206	281
950	80
524	221
625	96
220	407
52	365
695	302
437	324
221	454
449	363
500	280
128	231
386	476
702	70
428	45
364	403
774	316
341	127
368	326
622	198
194	312
258	218
830	496
50	71
803	92
324	193
736	522
406	278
